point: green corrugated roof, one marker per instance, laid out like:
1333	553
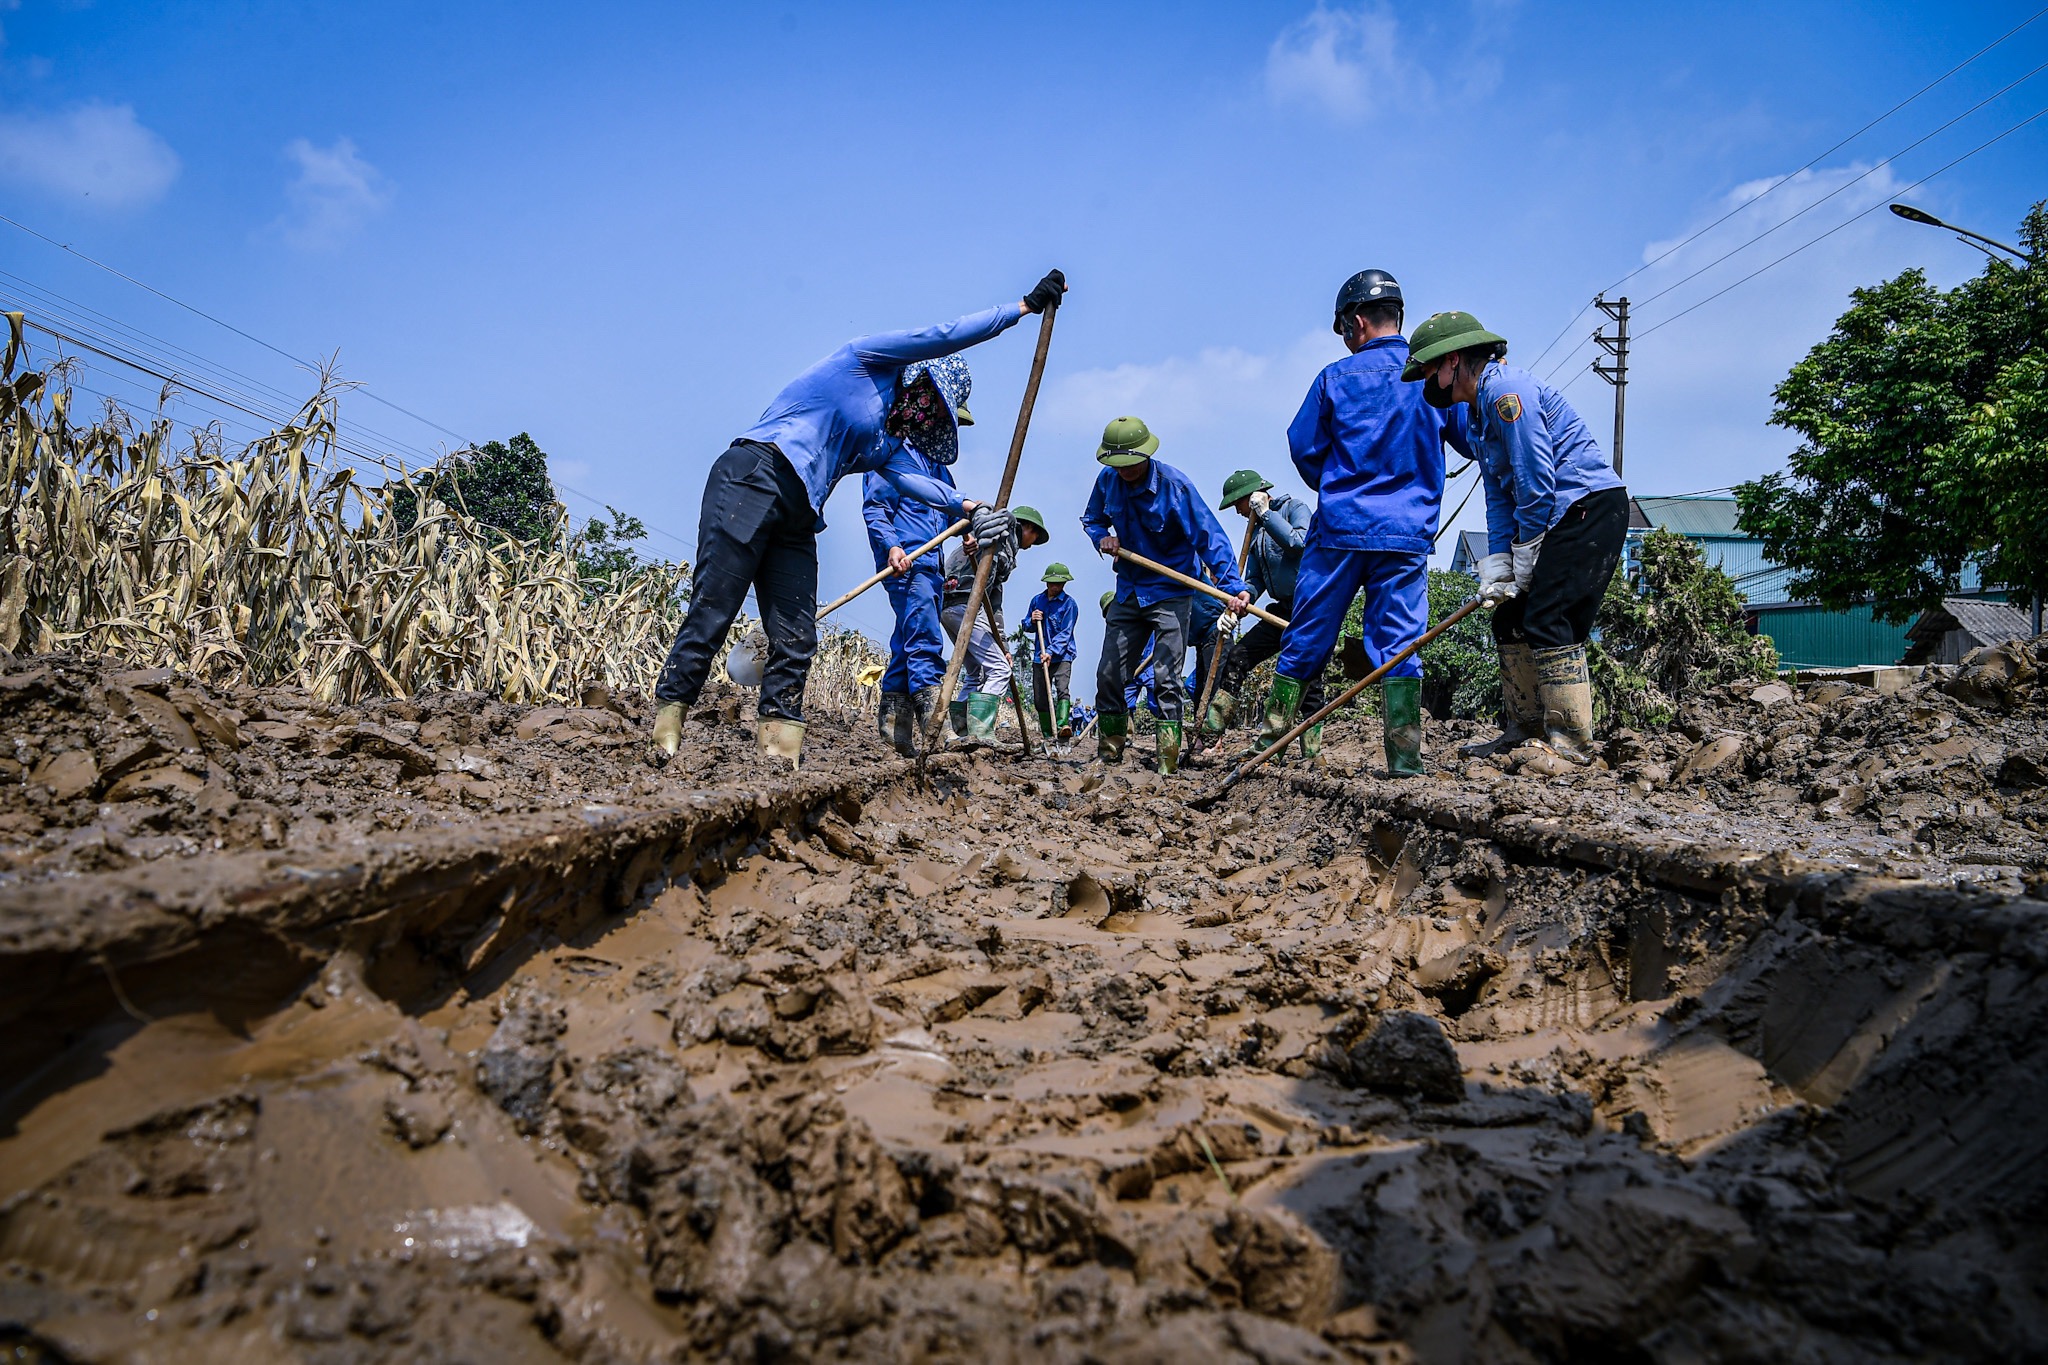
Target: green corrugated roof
1691	516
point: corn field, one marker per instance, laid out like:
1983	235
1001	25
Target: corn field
150	544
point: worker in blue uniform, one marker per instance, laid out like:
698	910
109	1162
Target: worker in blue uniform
897	525
1053	615
1556	517
1151	508
1374	453
764	501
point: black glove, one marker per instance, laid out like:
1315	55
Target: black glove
1046	293
992	528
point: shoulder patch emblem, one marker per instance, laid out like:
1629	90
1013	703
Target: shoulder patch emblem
1509	406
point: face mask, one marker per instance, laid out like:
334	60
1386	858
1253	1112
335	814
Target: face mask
1437	395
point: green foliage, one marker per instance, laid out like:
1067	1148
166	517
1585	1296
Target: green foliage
604	553
502	484
1461	667
1677	629
1915	419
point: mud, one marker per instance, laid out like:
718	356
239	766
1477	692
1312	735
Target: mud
318	1053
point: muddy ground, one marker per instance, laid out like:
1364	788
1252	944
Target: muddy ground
451	1030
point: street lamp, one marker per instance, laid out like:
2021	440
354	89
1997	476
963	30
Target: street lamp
1963	234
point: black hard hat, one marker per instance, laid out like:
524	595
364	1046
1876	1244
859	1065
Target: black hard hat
1367	286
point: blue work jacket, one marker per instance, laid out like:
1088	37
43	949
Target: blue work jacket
1374	452
1061	616
828	421
895	520
1276	547
1163	518
1534	453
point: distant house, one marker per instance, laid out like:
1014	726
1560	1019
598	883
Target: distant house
1471	549
1961	624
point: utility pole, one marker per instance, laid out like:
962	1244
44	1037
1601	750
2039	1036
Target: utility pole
1617	373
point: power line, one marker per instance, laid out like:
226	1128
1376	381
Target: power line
1839	226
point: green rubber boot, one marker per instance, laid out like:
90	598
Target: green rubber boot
1220	715
1063	716
1281	704
982	710
1044	722
1110	734
1169	746
1401	700
956	718
1311	745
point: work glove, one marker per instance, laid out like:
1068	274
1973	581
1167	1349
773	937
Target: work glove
992	528
1496	579
1525	562
1261	500
1046	293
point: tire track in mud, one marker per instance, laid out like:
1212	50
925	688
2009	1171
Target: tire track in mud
1029	1065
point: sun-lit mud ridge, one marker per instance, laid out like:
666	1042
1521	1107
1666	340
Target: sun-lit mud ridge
1030	1063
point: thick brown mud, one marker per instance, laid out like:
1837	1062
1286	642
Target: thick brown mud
323	1055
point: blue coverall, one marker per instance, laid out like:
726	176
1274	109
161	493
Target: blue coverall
1062	614
917	647
1373	451
1535	455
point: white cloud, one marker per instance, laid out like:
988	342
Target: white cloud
97	152
1347	62
334	193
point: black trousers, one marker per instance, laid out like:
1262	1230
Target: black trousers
1257	645
757	530
1572	572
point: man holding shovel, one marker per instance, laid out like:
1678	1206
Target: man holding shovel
1152	509
986	675
1054	615
1280	527
1374	453
852	412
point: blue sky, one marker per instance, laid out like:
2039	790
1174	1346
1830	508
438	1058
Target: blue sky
623	227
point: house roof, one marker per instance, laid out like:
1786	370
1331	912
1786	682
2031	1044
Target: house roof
1687	516
1471	548
1985	621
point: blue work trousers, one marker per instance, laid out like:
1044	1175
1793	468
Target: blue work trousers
917	648
1396	584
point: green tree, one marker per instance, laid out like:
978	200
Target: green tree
1677	628
503	484
605	553
1908	412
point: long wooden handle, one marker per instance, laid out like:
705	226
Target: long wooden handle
995	630
1044	668
1224	634
1197	584
987	558
1246	768
880	574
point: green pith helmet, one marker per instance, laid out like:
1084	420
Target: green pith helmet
1244	481
1108	598
1057	572
1126	441
1029	516
1439	335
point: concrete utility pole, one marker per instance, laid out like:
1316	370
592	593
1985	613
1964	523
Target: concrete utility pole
1617	373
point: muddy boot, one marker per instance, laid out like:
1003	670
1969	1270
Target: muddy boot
1063	716
1169	746
982	710
1311	746
1565	689
922	703
668	728
892	721
1401	710
956	719
1044	722
1222	713
1521	712
783	739
1110	734
1281	703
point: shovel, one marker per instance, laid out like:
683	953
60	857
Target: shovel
1197	584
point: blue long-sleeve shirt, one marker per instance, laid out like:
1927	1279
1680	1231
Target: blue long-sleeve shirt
896	521
1374	452
1163	518
1275	559
1534	453
828	420
1061	616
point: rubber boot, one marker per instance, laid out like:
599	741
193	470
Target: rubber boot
1063	716
1222	713
1401	710
1044	722
892	722
783	739
1282	701
668	728
1169	746
1311	745
1565	689
956	718
922	703
982	710
1521	711
1110	734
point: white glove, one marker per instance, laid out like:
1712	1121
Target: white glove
1261	500
1525	562
1497	579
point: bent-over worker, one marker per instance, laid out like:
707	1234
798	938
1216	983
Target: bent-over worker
1054	612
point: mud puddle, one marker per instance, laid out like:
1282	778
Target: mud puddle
1034	1063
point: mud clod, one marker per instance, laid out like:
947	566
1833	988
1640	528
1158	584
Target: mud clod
1405	1053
